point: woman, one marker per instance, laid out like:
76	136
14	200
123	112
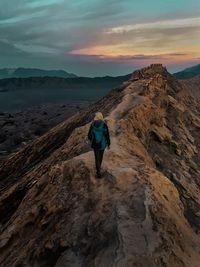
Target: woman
100	139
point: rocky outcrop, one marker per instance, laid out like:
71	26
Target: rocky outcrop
145	209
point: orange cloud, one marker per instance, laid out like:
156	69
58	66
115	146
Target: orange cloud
169	41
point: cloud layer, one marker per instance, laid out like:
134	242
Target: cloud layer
99	37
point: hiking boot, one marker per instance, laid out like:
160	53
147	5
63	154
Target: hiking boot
98	175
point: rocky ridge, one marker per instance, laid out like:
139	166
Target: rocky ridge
144	212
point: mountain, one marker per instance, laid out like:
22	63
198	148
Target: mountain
24	93
145	209
31	72
38	83
188	73
193	85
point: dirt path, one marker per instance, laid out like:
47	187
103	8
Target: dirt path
123	192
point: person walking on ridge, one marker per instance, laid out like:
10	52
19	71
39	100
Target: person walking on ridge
100	139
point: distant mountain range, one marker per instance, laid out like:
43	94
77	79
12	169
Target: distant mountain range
20	93
188	73
31	72
34	72
33	83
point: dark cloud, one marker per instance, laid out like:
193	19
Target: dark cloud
151	57
132	58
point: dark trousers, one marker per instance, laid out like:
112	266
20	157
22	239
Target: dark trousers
98	159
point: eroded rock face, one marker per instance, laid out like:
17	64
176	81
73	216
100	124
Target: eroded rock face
145	209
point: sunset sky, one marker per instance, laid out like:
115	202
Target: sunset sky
99	37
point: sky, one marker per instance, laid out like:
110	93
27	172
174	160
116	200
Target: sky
99	37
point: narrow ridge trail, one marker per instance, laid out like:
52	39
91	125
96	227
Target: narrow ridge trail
123	191
144	212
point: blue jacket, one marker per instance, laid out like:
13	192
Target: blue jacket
99	125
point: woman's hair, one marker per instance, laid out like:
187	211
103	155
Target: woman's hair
98	116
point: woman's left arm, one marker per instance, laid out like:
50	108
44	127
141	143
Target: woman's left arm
107	135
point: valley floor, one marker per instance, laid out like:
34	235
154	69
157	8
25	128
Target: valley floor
19	128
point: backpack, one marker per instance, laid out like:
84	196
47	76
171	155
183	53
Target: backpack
98	136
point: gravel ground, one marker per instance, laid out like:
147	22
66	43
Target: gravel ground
19	128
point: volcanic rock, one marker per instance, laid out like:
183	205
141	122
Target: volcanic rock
145	209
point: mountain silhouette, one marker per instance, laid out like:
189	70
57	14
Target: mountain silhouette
143	212
32	72
188	73
38	83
